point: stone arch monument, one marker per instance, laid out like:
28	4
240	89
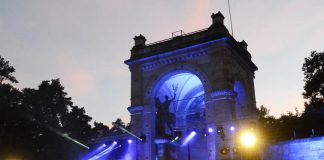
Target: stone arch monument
190	82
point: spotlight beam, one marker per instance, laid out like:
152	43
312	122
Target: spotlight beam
94	152
104	152
128	132
64	135
188	138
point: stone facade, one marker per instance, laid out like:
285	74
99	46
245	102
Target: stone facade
226	74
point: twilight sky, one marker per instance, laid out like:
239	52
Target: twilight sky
84	43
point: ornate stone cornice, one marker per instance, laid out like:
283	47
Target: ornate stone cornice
183	57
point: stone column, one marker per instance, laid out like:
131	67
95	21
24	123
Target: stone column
141	125
220	112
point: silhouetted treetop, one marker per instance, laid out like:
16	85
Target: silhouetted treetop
6	71
314	76
313	69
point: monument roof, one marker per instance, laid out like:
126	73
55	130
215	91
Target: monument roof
216	31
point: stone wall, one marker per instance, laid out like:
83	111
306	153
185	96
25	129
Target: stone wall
300	149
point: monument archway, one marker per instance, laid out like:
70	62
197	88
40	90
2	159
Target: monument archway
188	84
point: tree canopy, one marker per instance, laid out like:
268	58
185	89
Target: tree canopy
42	123
308	123
313	69
6	71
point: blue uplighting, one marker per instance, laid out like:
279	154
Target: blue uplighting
95	151
104	152
130	61
210	130
241	97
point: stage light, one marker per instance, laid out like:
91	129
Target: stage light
129	141
176	138
235	150
95	151
248	139
105	152
210	130
225	150
232	128
188	138
220	130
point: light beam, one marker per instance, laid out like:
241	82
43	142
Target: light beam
188	138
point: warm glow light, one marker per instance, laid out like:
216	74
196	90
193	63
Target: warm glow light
13	158
248	139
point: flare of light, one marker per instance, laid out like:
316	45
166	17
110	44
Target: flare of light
104	152
210	130
176	138
188	138
73	140
248	139
130	152
129	141
95	151
232	128
64	135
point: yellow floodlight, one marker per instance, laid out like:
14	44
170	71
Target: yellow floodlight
248	139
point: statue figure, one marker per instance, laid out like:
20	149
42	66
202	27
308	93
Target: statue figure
164	118
169	116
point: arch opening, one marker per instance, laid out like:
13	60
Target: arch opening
185	91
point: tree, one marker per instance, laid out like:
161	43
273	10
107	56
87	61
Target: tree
115	129
57	120
313	115
286	127
313	69
41	123
100	130
268	125
76	124
6	71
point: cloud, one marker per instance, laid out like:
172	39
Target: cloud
79	80
197	18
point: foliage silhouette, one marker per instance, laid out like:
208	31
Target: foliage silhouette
35	123
6	71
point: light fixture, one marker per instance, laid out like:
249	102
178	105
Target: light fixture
210	130
129	141
248	139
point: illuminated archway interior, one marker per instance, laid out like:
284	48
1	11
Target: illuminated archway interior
188	103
